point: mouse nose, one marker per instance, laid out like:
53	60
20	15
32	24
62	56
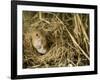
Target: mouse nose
39	47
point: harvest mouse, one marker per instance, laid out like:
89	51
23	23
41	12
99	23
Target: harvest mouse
39	41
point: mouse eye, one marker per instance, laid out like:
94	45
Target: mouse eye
36	34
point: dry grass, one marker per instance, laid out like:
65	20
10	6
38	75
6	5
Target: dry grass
67	36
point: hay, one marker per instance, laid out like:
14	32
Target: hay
67	35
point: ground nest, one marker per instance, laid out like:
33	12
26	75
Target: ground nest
67	35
